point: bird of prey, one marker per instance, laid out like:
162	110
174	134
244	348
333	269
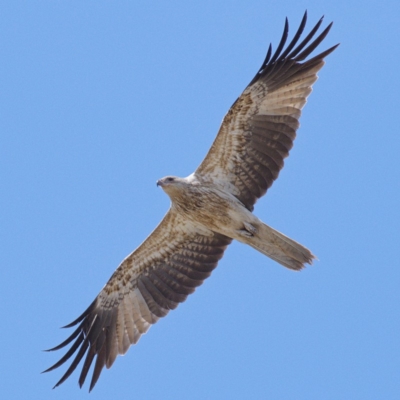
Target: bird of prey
209	209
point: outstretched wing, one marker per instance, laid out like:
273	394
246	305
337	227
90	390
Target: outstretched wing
155	278
260	127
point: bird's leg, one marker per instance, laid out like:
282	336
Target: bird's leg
248	231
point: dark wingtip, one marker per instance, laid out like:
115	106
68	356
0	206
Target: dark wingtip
277	62
82	316
68	340
305	16
282	42
332	48
56	385
85	332
312	46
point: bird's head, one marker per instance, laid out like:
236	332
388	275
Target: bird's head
167	181
171	184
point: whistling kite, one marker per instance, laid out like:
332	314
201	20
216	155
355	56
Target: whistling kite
209	208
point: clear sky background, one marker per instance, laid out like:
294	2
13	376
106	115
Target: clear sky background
99	99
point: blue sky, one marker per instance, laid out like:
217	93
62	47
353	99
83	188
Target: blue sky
100	99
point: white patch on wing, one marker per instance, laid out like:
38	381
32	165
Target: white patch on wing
143	317
291	98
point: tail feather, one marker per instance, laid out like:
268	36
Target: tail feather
280	248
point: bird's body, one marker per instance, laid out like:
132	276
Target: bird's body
209	208
206	204
212	209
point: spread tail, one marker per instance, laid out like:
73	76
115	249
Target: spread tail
279	247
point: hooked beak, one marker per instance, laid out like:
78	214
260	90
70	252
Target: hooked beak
159	183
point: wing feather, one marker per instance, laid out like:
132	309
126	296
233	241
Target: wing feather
169	293
133	329
122	329
258	131
154	279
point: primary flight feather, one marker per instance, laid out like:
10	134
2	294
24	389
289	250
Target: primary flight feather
209	209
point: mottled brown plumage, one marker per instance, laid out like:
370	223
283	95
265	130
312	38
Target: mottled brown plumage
208	209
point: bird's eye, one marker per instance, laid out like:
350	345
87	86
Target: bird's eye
170	179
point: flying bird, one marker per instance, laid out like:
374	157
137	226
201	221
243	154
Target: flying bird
209	209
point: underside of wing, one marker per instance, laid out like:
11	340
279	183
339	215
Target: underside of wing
154	279
258	132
